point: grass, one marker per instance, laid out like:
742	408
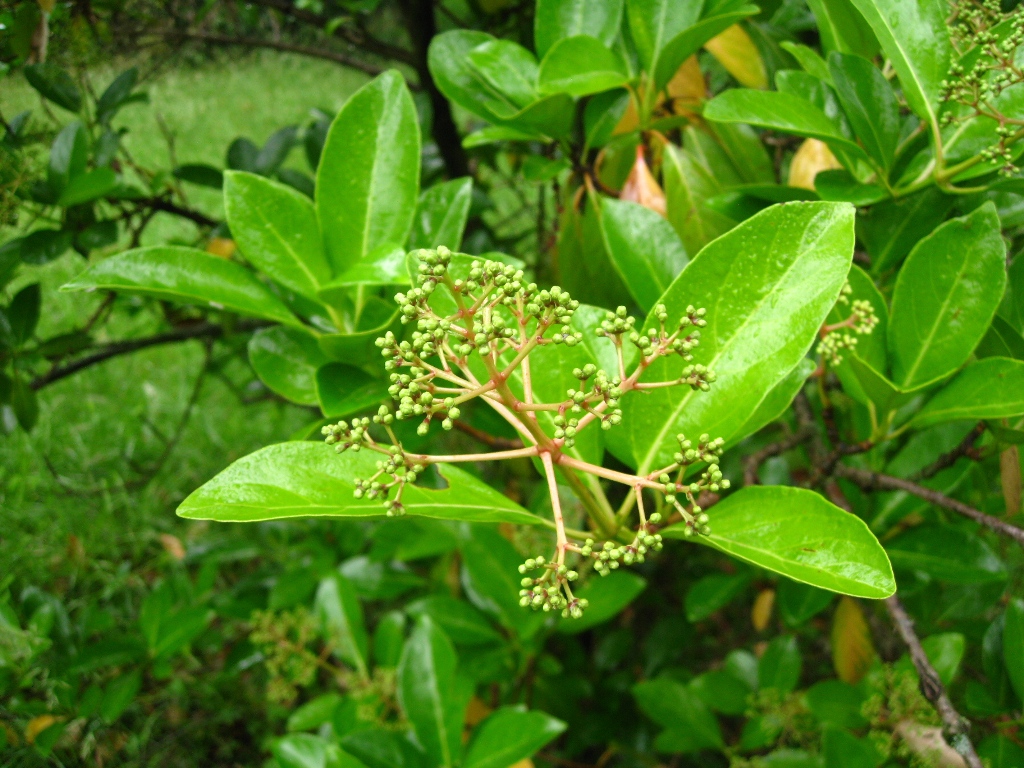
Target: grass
92	469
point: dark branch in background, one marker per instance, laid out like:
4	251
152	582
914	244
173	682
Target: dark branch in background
316	53
966	448
954	725
874	481
202	330
419	15
162	204
487	439
753	462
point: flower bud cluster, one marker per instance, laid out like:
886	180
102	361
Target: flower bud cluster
682	341
344	435
550	591
862	321
401	472
616	323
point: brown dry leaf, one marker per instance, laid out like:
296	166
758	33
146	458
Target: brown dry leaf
810	159
852	649
37	725
687	88
1009	474
641	186
761	613
926	742
221	246
737	53
173	546
476	711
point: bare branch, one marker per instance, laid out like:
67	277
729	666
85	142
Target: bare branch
966	448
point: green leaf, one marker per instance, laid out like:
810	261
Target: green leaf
186	276
777	401
305	479
712	593
1000	340
992	388
343	390
69	155
510	735
945	297
794	259
653	23
947	554
579	66
869	104
810	60
88	186
341	620
314	713
722	691
116	94
799	534
426	691
779	111
780	665
836	703
119	694
1013	645
301	750
608	595
286	360
1001	752
441	215
643	247
844	750
388	639
23	313
892	228
359	347
449	64
384	265
555	20
686	43
688	185
842	28
200	174
369	173
463	623
383	748
276	229
54	84
682	712
798	603
915	39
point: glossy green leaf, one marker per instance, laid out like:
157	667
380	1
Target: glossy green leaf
793	259
116	95
358	348
303	750
643	247
780	665
579	66
314	713
799	534
448	60
585	270
341	620
555	20
869	103
892	228
844	750
688	185
88	186
946	554
383	748
712	593
343	390
286	360
986	389
945	297
915	39
1013	645
690	725
277	231
441	215
842	28
388	638
653	23
426	691
870	348
69	155
686	43
1000	340
777	401
23	313
507	73
186	276
463	623
836	703
798	603
306	479
510	735
608	596
1011	308
55	85
809	60
384	265
369	173
778	111
722	691
550	116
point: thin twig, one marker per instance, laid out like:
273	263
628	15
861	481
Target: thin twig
753	462
870	481
487	439
955	726
966	448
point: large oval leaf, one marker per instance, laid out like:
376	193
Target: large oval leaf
799	534
441	215
277	231
558	19
509	736
767	285
992	388
307	479
187	276
286	360
947	554
369	173
945	297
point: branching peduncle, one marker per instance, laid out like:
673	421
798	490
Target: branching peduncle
473	338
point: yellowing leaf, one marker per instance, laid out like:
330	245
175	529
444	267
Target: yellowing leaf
687	88
810	159
527	763
630	119
737	53
476	711
761	613
221	246
641	186
37	725
852	649
1009	473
